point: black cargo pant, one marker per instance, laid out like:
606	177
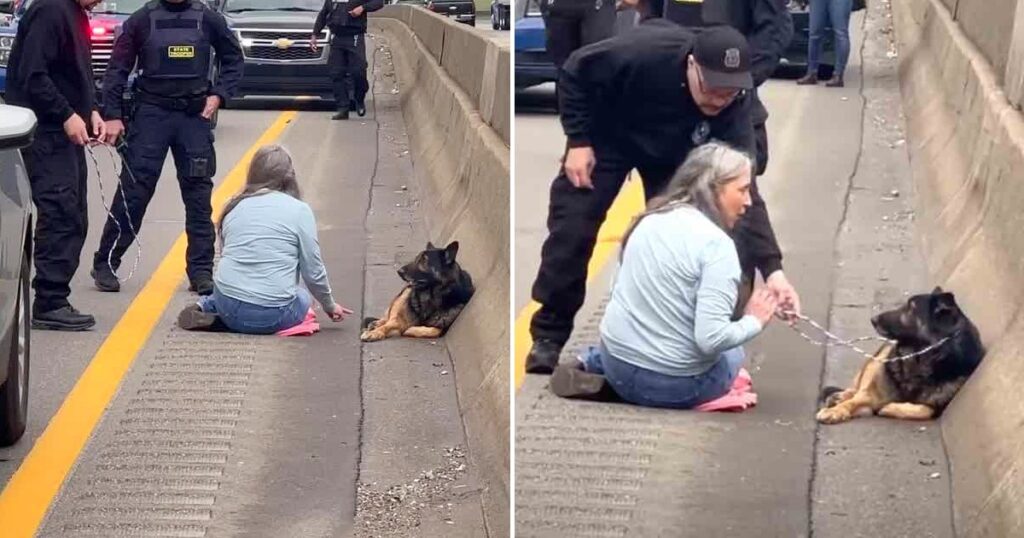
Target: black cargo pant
574	218
348	69
570	24
58	175
189	137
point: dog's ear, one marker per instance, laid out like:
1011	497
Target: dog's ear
944	309
450	251
937	290
430	246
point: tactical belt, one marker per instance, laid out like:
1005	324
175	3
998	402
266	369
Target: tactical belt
192	105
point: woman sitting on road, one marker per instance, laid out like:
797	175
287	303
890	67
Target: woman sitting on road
667	339
268	238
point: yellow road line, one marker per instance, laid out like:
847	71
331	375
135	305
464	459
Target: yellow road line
28	495
628	204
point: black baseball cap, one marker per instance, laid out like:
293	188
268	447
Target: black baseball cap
724	58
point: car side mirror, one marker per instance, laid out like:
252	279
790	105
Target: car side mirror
17	127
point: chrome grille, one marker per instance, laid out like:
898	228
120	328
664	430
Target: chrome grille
295	35
281	45
102	47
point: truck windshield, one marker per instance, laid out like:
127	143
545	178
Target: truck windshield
238	6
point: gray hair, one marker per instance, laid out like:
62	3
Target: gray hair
270	170
697	183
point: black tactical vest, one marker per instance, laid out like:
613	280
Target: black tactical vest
176	48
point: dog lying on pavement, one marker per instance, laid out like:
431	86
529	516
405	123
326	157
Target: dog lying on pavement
915	388
436	291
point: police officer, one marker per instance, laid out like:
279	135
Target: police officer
768	28
639	100
347	21
174	43
571	24
50	72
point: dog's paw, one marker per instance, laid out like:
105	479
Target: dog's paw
371	336
833	415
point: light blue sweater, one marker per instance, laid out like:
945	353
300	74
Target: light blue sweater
674	296
269	240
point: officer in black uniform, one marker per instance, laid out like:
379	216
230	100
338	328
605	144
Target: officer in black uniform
768	28
571	24
174	43
347	21
640	100
50	73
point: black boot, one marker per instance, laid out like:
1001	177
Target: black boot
543	357
360	108
105	279
202	284
341	115
66	318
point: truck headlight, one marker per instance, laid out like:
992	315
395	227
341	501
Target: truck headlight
6	43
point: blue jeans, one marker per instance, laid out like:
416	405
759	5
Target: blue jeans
823	13
645	387
243	317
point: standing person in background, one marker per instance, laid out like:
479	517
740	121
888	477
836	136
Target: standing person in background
824	12
347	23
571	24
50	72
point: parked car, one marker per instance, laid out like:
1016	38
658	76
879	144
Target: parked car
17	127
533	64
501	14
463	11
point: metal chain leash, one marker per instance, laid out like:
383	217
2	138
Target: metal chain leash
116	158
832	340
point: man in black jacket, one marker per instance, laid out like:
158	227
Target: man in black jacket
642	100
50	72
347	23
173	42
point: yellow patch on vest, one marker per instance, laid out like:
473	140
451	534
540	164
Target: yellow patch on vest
181	51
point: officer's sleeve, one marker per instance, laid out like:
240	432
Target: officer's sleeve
321	18
735	128
772	31
585	76
229	56
373	5
39	49
122	61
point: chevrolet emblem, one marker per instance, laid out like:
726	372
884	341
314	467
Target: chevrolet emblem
283	43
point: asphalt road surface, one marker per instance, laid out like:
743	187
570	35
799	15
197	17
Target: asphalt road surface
138	428
837	189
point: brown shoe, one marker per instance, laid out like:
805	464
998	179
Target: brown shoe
572	382
807	80
192	318
835	82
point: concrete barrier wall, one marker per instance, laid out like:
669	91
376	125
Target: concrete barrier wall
988	24
966	145
462	164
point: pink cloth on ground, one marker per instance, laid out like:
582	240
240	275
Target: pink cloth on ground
740	397
308	326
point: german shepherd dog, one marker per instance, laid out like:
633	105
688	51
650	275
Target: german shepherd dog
917	388
436	291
